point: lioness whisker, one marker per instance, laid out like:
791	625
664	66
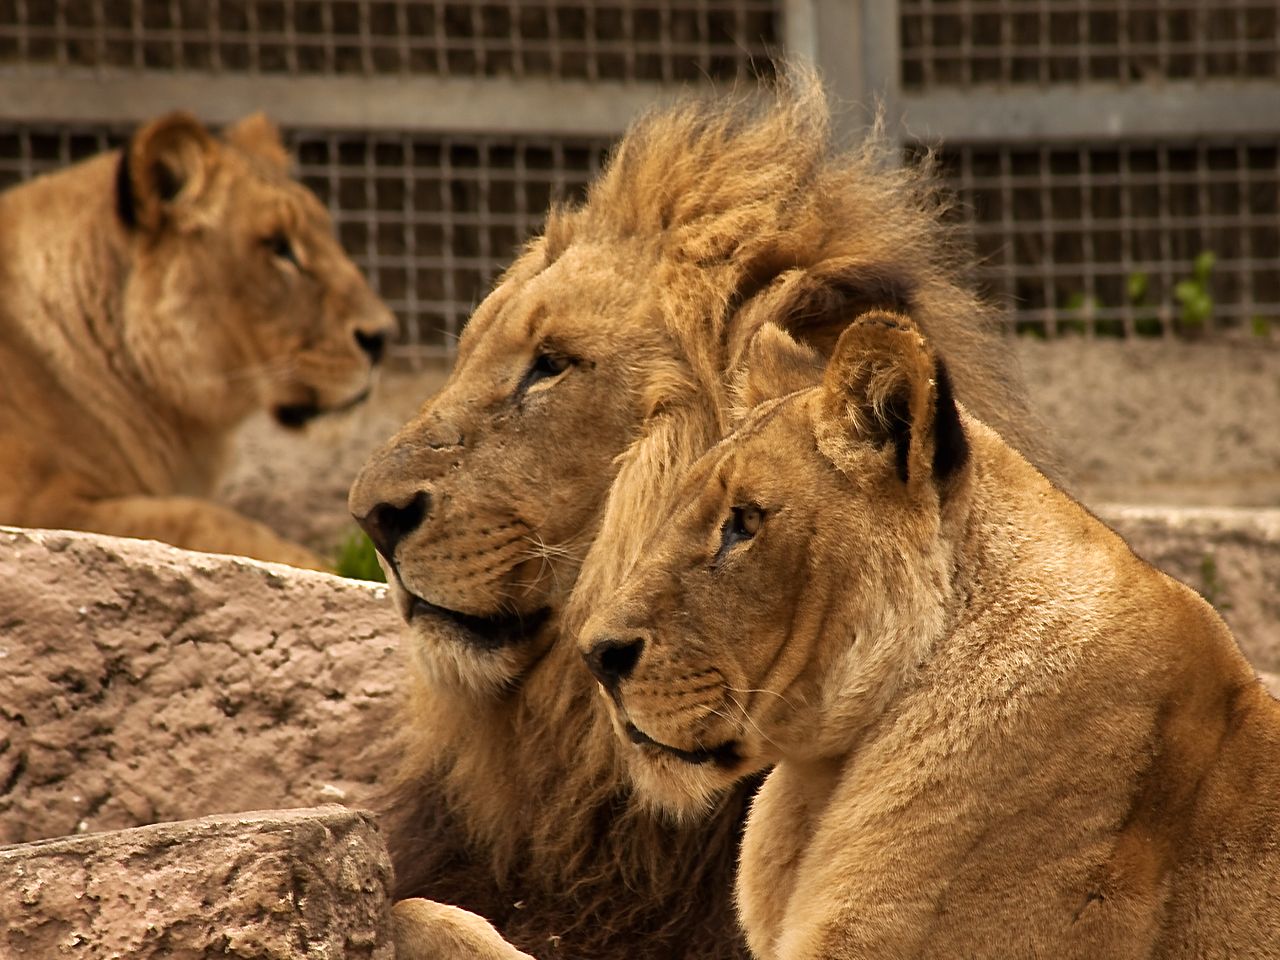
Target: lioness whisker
747	717
751	690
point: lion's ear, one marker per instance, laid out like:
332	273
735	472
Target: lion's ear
166	162
773	364
257	135
885	386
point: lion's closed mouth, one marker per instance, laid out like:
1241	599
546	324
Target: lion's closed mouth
725	755
294	416
489	633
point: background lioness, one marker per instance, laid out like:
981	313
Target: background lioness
152	298
998	733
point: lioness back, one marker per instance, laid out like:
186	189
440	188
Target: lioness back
995	732
152	298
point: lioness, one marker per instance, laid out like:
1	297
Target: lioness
997	732
153	297
586	383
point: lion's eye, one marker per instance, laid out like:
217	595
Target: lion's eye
279	245
546	366
747	520
743	523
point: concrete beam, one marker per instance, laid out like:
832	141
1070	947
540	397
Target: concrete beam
429	104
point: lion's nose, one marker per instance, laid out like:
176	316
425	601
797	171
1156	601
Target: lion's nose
611	659
373	343
389	523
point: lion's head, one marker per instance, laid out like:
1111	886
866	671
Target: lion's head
800	574
238	295
587	383
484	506
598	367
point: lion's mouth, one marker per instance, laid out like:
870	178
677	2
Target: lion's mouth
295	416
725	755
488	633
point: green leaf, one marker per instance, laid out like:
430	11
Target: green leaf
1204	265
1136	286
357	560
1185	291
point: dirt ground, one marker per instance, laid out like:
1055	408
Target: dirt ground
1162	422
1135	422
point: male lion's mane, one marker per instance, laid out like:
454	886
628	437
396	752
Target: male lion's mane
518	808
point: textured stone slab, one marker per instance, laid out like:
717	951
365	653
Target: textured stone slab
279	884
139	683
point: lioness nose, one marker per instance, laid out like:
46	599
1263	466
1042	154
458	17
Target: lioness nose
373	343
387	523
611	660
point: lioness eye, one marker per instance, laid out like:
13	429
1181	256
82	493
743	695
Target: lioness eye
546	366
279	245
549	365
747	520
743	523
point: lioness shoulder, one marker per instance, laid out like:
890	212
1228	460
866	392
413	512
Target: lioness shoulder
995	731
152	298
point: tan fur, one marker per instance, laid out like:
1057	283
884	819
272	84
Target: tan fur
711	218
994	731
130	352
425	930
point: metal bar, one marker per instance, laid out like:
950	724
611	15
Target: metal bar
855	47
424	104
800	31
882	61
1095	112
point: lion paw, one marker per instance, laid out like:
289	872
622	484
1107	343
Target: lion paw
425	930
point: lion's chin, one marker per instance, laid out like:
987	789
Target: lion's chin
448	653
680	791
445	663
682	785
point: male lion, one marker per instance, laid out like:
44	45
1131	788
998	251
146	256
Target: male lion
585	384
997	732
152	298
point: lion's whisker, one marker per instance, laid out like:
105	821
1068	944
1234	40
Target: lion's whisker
747	717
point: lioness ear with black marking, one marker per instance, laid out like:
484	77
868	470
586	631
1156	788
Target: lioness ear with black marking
166	162
884	385
257	135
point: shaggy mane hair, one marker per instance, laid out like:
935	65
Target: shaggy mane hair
518	808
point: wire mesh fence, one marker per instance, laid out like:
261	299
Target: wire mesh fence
1136	239
965	43
1117	234
433	220
430	220
661	40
